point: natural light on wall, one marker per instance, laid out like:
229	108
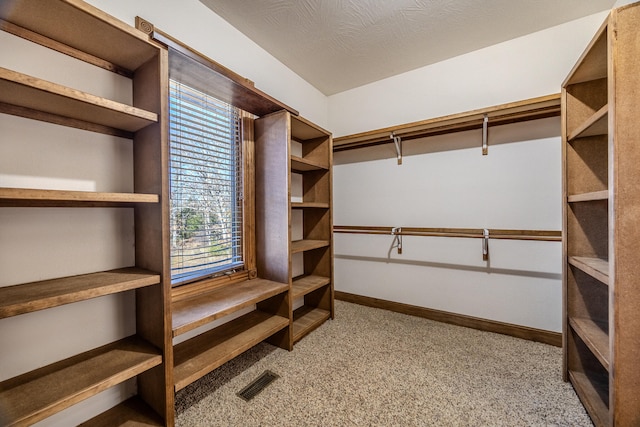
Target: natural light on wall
206	184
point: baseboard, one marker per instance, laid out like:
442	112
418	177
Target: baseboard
524	332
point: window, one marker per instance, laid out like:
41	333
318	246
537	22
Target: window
206	188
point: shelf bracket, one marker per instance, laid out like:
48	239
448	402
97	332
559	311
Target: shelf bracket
485	135
397	239
397	141
485	244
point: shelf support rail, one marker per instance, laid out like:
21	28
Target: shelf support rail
485	135
471	233
397	141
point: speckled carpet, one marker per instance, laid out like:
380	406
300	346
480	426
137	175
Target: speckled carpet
372	367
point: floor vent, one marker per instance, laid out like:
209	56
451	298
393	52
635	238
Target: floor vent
257	385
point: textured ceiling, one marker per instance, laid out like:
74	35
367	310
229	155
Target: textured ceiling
340	44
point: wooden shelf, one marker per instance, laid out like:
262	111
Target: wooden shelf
27	197
306	319
36	95
529	109
594	267
309	205
595	336
303	130
198	356
29	297
33	396
307	245
590	396
92	31
597	124
589	197
195	311
303	285
299	164
132	412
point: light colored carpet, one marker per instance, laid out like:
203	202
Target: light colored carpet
372	367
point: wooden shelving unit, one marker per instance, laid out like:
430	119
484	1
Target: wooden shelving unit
77	29
286	145
601	296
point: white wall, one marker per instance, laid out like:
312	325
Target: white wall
446	182
39	243
526	67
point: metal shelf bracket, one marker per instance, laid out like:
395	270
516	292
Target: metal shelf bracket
485	135
396	232
397	141
485	244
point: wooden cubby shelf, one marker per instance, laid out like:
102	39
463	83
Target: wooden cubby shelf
28	197
594	125
33	396
189	313
595	336
588	197
309	205
594	267
299	164
29	297
287	145
306	319
131	412
601	321
587	391
305	284
39	95
307	245
198	356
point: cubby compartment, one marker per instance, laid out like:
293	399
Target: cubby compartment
587	168
587	229
587	315
589	378
587	109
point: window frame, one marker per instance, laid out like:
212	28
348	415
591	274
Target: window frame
256	104
248	269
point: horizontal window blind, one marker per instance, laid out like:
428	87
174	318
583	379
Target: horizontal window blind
206	184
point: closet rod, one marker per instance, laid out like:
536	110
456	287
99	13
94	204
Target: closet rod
474	233
513	112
